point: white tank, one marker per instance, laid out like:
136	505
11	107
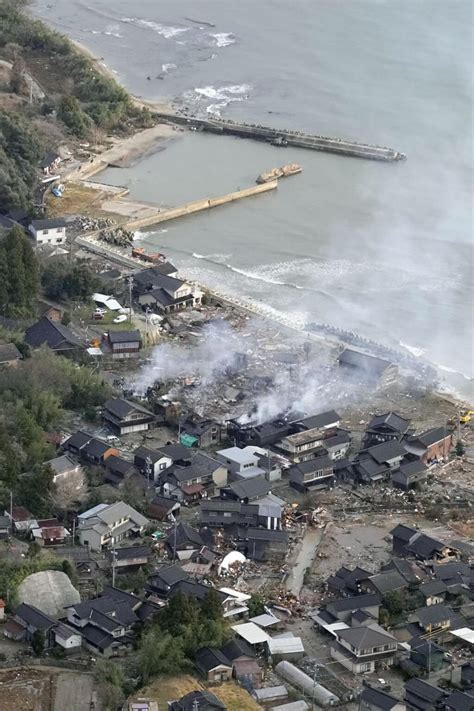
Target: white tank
300	680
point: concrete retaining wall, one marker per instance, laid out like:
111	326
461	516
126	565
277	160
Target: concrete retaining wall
198	205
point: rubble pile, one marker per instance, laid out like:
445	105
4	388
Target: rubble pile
117	236
92	224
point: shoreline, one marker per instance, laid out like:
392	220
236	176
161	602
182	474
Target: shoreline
142	147
99	63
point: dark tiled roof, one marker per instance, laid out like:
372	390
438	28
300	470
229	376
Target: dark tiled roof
121	408
9	352
425	546
132	552
386	451
313	465
144	453
432	587
176	452
51	333
34	617
124	336
96	448
120	465
365	637
78	440
460	701
413	468
251	488
378	699
342	438
432	436
203	700
195	590
403	533
171	575
433	614
48	224
359	602
388	581
364	361
322	420
237	648
208	659
184	534
424	690
391	420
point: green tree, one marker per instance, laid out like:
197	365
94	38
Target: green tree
38	642
160	653
394	603
460	448
256	605
73	117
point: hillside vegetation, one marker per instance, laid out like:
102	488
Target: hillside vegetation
79	101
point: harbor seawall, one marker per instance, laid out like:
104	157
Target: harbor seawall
291	138
198	206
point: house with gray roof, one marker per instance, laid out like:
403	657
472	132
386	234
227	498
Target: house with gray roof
107	524
9	354
389	426
124	416
51	231
247	490
431	446
420	695
410	475
377	700
124	344
387	582
364	649
53	334
313	474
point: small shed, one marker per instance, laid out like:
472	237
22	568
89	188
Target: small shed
251	633
270	694
285	646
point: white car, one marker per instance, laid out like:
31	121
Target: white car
121	318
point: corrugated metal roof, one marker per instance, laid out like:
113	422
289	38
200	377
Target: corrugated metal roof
285	645
251	633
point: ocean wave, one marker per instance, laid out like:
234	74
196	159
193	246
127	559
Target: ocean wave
453	371
418	352
222	96
223	39
165	31
165	68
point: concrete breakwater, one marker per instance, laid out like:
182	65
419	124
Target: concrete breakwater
284	137
198	206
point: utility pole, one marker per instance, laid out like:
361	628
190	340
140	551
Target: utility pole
147	315
11	512
114	553
130	288
73	531
148	464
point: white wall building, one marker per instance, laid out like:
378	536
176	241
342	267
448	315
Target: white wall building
51	231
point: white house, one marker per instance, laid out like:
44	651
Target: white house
104	525
52	231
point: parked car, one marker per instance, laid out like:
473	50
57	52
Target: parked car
96	316
121	318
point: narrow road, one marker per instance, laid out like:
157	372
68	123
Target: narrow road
304	559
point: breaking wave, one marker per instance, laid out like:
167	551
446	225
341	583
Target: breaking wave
417	352
223	39
165	31
165	68
223	96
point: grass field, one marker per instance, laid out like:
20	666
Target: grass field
171	688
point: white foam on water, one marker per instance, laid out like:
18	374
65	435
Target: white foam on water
447	369
165	68
418	352
223	39
165	31
223	96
